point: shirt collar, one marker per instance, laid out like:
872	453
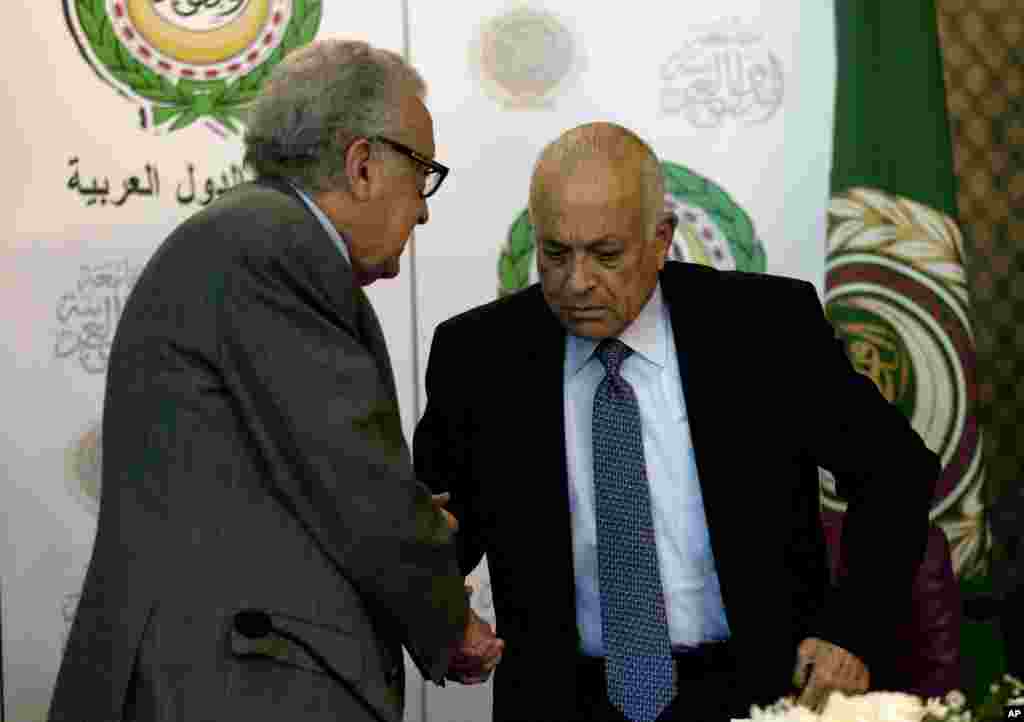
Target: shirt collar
336	236
645	335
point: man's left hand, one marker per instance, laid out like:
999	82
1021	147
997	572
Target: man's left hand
478	654
439	501
822	667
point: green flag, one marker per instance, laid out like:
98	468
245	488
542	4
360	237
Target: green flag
895	283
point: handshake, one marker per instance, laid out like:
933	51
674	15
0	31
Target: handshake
479	651
476	656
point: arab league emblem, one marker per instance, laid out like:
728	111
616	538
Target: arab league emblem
84	462
186	60
724	72
712	230
896	291
526	57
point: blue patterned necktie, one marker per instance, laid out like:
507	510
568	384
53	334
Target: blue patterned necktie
634	623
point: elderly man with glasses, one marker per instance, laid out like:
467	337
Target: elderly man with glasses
264	550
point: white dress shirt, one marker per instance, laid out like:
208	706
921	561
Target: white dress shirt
693	599
339	241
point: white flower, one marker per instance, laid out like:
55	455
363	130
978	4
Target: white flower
874	707
802	714
936	709
956	700
1015	684
783	711
881	707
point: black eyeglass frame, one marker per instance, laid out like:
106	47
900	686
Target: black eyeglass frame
433	165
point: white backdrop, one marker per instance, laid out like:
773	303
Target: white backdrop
66	265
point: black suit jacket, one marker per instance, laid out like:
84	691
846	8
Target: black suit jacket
253	458
770	395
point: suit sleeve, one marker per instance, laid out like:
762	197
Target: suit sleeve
311	397
887	476
442	446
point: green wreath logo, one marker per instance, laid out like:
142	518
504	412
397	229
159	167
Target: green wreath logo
160	51
713	230
516	256
877	350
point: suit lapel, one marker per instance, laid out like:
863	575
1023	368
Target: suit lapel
333	277
699	346
373	337
339	284
549	496
324	264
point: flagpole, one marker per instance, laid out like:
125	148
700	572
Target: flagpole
413	285
3	703
414	341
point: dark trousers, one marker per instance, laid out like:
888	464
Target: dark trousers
709	689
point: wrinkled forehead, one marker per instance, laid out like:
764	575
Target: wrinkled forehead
589	195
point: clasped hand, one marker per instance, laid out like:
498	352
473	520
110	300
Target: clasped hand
478	654
822	668
480	650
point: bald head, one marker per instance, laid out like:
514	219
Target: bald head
597	208
597	160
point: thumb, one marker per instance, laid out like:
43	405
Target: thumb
441	499
802	672
804	663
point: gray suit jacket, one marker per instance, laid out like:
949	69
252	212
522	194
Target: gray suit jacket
253	459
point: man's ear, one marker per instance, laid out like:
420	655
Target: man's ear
358	168
663	234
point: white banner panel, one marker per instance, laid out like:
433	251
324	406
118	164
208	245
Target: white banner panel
116	133
736	97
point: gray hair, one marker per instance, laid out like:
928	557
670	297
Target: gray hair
609	142
319	99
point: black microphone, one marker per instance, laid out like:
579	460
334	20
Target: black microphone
253	624
256	624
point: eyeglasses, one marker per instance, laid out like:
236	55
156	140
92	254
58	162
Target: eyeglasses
435	174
